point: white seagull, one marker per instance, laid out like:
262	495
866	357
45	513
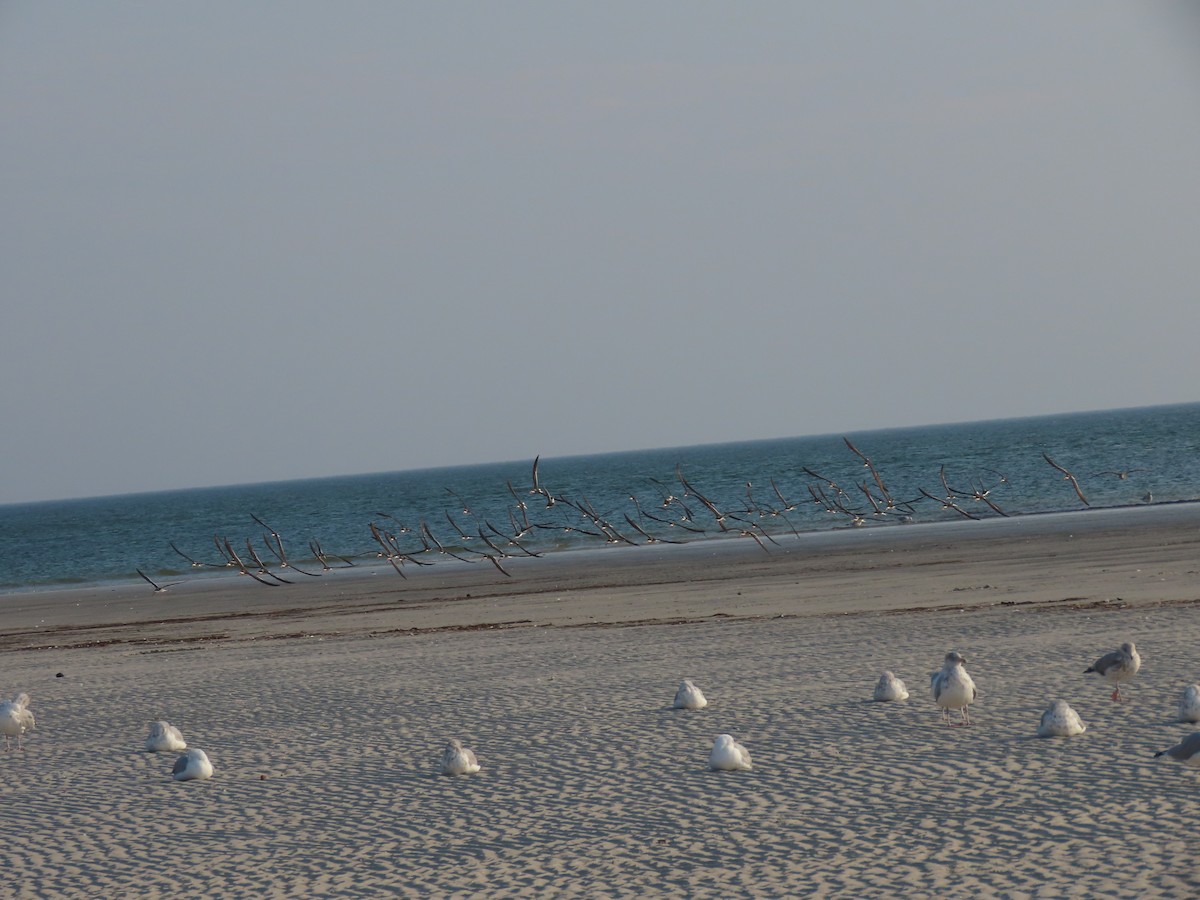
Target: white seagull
689	696
1059	720
1116	667
953	688
15	719
1186	751
193	765
728	754
1189	704
164	737
890	688
458	760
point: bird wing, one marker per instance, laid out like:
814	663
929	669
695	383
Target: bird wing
1106	662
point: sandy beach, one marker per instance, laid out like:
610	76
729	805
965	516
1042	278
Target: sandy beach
324	706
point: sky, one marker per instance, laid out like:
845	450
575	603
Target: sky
254	242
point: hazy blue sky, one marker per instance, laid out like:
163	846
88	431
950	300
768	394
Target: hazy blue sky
255	241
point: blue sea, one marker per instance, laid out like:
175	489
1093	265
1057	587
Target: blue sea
767	491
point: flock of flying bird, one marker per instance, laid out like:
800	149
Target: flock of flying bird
952	688
681	512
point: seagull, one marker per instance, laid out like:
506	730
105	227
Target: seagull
458	760
1067	476
1120	665
15	719
728	754
193	765
1120	474
1189	704
164	737
689	696
1059	720
1186	751
158	588
890	688
953	688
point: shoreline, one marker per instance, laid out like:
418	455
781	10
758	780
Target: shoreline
1115	557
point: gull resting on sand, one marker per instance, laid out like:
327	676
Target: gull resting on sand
193	765
953	688
689	696
728	755
1116	667
164	737
890	688
458	760
1189	704
1059	720
1186	751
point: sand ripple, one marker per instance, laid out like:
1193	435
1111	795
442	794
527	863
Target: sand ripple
327	757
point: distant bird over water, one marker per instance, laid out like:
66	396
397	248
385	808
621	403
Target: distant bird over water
15	720
953	688
890	688
689	696
158	588
1117	667
1067	476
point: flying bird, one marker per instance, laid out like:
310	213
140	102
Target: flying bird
1067	476
158	588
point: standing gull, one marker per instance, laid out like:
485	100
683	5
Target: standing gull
15	719
164	737
1059	720
1189	704
728	755
458	760
1186	751
689	696
953	688
193	765
1116	667
890	688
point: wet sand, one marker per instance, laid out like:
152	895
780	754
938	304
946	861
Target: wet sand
324	706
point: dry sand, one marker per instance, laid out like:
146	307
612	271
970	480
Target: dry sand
324	707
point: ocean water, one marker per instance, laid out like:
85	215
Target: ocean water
761	490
